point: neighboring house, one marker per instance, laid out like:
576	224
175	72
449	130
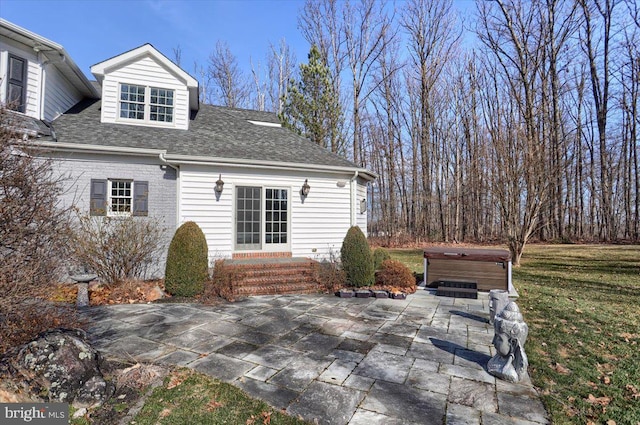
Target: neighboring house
138	142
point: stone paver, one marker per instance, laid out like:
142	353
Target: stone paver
331	360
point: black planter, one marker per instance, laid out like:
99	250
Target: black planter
345	293
363	294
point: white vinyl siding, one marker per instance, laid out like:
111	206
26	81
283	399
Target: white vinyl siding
318	223
32	94
59	93
148	73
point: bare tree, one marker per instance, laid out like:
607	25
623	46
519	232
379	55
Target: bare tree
177	55
321	23
368	31
34	225
259	85
511	32
281	63
228	81
600	74
432	40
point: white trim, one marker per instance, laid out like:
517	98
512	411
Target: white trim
41	45
265	124
255	163
146	49
176	160
101	68
146	110
80	147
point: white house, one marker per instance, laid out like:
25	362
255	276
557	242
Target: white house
138	142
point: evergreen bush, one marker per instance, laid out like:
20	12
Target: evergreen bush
357	261
187	263
379	255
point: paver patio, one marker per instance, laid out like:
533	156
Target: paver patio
333	360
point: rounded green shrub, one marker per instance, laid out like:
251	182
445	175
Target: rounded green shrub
357	261
187	261
379	255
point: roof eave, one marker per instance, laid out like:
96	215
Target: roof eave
206	160
33	40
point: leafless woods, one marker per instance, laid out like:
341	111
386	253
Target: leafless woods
502	121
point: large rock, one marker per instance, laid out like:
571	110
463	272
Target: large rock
58	366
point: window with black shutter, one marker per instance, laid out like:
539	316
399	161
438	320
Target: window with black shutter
16	83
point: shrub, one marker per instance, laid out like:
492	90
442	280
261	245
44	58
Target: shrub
356	258
187	263
34	225
395	274
118	248
221	283
379	255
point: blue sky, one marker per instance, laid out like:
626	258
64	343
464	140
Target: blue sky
94	30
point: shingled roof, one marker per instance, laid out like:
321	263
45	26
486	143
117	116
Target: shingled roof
214	133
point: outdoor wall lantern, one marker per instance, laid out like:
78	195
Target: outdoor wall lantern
363	206
305	188
219	185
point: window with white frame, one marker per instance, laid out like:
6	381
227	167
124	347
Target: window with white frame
132	101
161	105
120	197
146	103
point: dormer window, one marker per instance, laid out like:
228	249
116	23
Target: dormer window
146	103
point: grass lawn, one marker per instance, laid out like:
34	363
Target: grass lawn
582	305
187	397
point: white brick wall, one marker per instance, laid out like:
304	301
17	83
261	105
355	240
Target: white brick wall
79	169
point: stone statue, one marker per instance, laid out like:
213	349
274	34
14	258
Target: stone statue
498	300
510	362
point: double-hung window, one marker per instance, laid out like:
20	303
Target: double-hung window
132	101
119	197
146	103
161	105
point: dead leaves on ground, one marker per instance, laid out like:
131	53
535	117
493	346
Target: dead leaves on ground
176	380
562	370
265	416
213	405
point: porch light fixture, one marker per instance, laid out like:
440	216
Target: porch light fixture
305	188
219	185
363	206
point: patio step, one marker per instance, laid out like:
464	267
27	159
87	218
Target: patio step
274	276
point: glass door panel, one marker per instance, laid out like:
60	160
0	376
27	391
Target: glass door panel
248	220
276	235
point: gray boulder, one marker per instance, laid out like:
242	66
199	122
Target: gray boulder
58	366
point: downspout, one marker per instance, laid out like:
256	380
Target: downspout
353	185
43	78
167	163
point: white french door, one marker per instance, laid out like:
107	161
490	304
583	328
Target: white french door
262	219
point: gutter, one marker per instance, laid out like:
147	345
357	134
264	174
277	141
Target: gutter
116	150
290	166
43	76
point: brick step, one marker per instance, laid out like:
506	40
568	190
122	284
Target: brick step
274	276
277	288
282	272
273	280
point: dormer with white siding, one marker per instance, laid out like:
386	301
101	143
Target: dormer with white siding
143	87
